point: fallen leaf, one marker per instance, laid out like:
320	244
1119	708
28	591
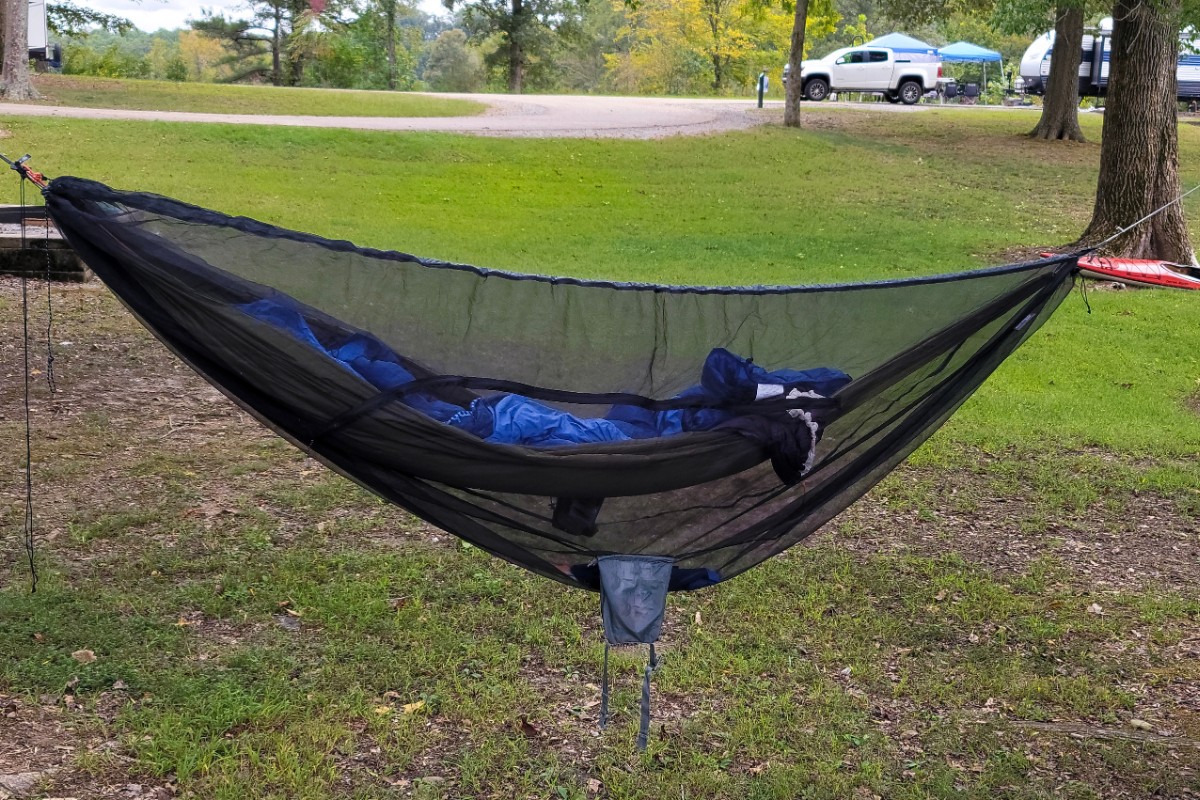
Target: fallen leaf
412	708
397	603
1140	724
940	596
1095	608
84	656
594	786
381	710
697	617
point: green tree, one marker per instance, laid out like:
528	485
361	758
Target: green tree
276	41
68	19
452	65
525	31
1060	105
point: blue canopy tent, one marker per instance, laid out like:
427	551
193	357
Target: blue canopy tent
965	51
903	43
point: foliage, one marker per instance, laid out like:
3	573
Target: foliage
110	62
452	65
698	46
67	19
523	34
247	50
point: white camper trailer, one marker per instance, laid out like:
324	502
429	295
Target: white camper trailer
1093	63
47	55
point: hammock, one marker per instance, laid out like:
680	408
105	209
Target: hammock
824	391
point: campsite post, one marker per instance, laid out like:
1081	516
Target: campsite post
762	87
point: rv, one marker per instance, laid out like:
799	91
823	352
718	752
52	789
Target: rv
41	51
1093	63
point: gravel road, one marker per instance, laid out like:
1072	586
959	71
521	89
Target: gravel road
507	115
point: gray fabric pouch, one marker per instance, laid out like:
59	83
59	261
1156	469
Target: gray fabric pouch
633	600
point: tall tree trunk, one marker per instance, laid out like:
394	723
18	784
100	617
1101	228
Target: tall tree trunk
1060	110
15	83
795	88
390	8
714	27
276	49
1139	156
516	49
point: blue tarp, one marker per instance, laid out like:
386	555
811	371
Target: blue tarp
505	418
965	51
903	43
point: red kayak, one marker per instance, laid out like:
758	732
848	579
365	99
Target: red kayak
1140	272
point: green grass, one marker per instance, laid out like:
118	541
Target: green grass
894	658
85	92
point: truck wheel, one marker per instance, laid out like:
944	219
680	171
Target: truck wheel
816	89
910	92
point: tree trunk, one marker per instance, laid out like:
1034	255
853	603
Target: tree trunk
391	45
15	83
1139	155
714	28
276	48
516	50
795	88
1060	110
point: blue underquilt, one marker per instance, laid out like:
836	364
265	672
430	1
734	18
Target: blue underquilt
514	419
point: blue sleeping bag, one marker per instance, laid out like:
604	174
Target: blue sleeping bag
726	379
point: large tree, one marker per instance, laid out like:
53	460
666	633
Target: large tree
1060	105
1139	155
15	83
526	30
266	44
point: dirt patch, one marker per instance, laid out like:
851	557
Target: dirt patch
1145	543
1192	403
53	747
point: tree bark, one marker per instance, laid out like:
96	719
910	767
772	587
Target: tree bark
1139	155
516	50
15	83
390	8
277	48
795	88
1060	109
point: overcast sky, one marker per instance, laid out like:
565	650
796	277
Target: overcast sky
151	15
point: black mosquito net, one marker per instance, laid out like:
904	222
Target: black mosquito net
554	421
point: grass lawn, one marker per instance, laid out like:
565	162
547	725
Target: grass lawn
1012	614
86	92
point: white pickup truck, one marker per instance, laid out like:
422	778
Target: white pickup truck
868	69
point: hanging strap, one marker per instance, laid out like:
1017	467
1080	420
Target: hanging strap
644	728
604	691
